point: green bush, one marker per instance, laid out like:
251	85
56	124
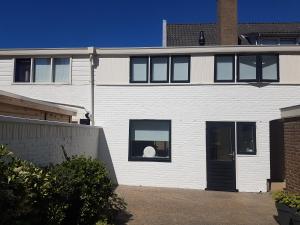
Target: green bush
84	192
23	188
289	199
76	192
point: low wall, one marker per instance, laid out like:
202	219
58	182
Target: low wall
292	154
40	141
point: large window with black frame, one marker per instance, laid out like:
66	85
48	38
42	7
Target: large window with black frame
150	140
258	68
162	69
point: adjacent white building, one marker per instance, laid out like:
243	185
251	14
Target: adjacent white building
195	117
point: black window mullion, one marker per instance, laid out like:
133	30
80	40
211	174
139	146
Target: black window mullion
258	68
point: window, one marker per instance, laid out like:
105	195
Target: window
44	70
269	41
269	67
159	69
224	68
150	140
139	69
22	70
247	68
180	69
278	41
61	70
246	138
288	41
257	68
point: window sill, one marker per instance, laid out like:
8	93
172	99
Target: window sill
149	159
246	155
46	83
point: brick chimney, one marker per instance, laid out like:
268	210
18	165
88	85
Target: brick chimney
227	22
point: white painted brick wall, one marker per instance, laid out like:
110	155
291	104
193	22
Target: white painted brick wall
40	141
189	107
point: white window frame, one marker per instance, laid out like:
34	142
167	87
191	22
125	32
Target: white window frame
32	82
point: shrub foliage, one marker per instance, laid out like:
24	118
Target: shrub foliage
289	199
77	191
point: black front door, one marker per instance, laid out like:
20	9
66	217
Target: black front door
220	156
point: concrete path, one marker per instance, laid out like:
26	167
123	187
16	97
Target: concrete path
166	206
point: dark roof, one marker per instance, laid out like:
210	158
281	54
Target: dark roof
188	34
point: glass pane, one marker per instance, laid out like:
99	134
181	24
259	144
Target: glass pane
159	68
180	68
269	41
246	138
139	69
61	67
288	41
221	145
150	139
22	73
224	67
42	72
269	67
247	67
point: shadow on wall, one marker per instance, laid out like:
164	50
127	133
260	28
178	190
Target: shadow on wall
103	154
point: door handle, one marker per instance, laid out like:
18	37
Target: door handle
232	155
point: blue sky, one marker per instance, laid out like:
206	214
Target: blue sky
118	23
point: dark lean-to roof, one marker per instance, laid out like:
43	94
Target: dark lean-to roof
188	34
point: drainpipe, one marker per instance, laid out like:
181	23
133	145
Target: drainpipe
92	55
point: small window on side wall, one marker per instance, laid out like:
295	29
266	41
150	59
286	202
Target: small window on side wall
180	70
246	138
224	68
138	69
150	140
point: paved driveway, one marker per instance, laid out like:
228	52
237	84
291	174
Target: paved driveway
164	206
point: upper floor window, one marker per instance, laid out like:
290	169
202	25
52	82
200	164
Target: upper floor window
257	68
180	69
22	70
277	41
42	70
224	68
139	69
159	69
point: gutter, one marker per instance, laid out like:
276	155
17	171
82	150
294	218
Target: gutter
92	53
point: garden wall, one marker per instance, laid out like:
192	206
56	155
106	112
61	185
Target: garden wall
292	154
40	141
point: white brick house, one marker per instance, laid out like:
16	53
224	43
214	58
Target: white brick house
173	117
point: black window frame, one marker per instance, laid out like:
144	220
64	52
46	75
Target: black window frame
237	139
216	71
151	69
259	71
277	61
189	69
15	70
131	69
136	159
